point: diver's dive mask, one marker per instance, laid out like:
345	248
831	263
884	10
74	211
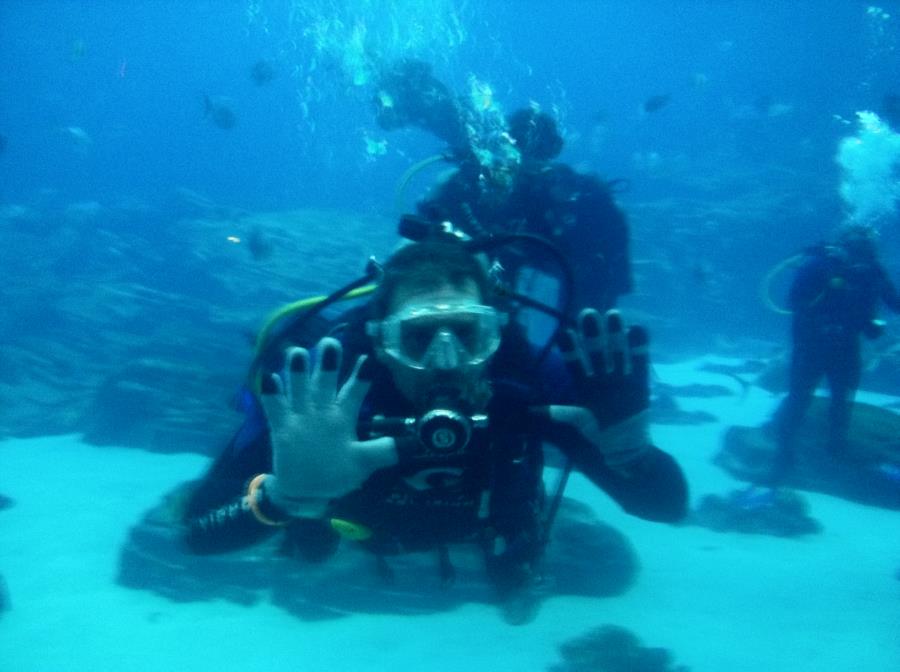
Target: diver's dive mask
443	336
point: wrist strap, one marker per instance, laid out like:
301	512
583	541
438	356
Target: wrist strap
257	501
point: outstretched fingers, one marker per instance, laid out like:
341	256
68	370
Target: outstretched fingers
593	338
273	398
639	349
357	385
603	343
573	355
324	381
618	353
296	370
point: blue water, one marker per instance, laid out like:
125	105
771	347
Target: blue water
102	101
133	75
757	91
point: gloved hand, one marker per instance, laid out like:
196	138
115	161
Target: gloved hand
315	453
610	368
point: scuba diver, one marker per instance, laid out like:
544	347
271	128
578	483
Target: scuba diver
506	181
416	423
833	298
410	95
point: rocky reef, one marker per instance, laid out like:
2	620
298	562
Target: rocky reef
135	326
780	513
584	557
612	648
868	471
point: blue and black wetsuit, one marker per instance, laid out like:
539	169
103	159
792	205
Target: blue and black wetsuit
491	494
834	299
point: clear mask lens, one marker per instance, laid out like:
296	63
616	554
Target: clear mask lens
444	336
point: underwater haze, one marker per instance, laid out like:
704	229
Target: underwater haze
173	172
733	169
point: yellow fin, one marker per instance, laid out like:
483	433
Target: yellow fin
349	530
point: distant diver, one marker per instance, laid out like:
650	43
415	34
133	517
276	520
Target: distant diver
410	95
833	299
219	112
506	181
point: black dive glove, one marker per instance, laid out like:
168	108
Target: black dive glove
609	365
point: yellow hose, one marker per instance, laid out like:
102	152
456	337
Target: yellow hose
255	377
765	286
299	306
411	173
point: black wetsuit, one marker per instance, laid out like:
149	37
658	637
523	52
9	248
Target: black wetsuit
492	491
574	211
834	299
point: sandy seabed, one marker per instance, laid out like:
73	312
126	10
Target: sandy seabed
718	601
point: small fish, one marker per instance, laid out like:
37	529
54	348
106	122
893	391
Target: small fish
701	274
259	245
889	471
656	103
218	111
262	72
77	136
779	110
77	50
766	106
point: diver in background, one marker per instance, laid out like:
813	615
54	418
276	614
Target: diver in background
575	212
410	95
834	299
507	182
